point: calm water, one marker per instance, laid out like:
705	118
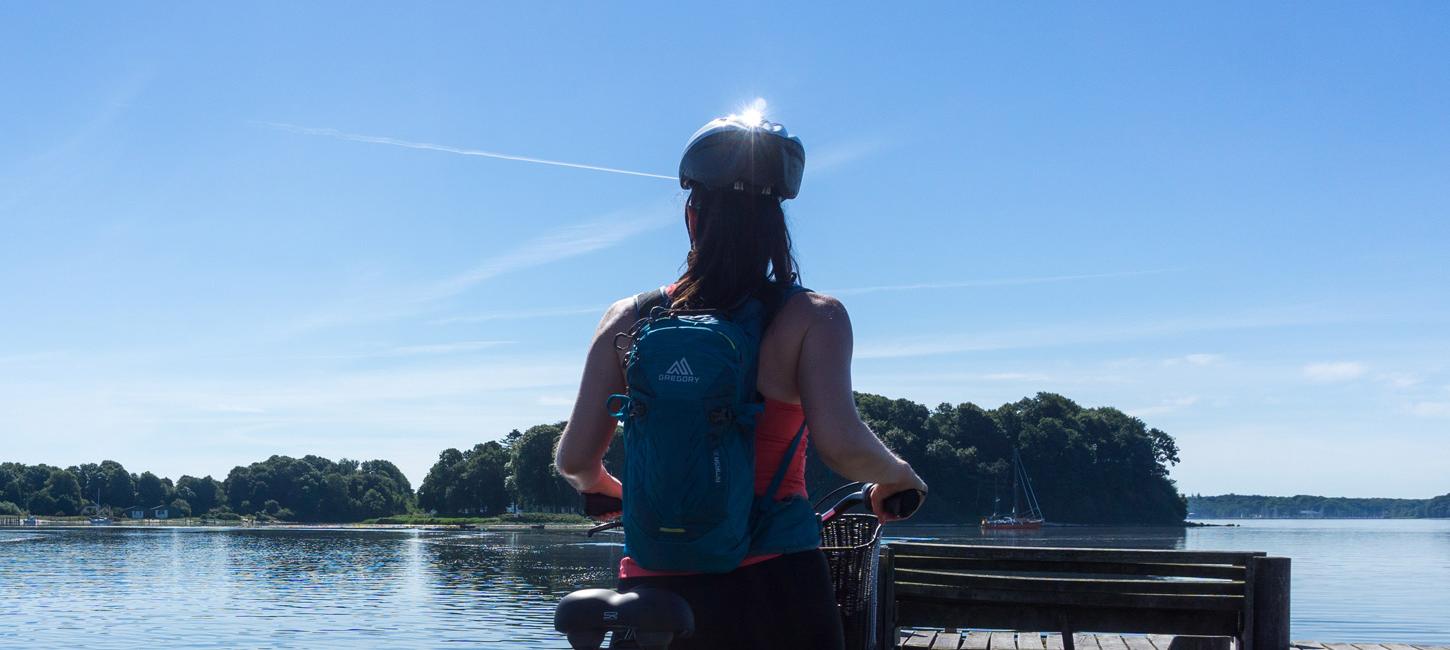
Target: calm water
129	587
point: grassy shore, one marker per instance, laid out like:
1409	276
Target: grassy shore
520	520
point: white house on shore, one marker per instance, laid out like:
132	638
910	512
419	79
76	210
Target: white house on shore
154	512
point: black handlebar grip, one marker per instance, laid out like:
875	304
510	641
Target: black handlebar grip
596	504
902	504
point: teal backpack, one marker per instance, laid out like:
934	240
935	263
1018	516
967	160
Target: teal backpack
689	424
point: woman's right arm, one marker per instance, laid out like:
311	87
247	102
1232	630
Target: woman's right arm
845	443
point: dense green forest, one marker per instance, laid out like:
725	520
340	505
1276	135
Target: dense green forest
316	489
1088	465
290	489
46	490
1253	506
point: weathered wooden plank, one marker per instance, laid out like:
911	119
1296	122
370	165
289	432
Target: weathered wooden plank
1111	642
1307	645
1067	584
976	640
948	640
932	612
1192	642
1368	646
1053	640
1029	641
1138	642
1163	569
1049	554
1339	646
908	590
1003	641
919	639
1085	641
1398	646
1431	647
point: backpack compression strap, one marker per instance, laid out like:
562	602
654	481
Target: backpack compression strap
645	302
785	462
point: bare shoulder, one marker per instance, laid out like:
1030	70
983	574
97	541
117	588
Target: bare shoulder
618	318
808	309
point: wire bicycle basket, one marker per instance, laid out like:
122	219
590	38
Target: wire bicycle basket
852	546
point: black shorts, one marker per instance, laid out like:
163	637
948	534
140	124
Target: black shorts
784	602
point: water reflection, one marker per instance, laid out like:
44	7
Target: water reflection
209	588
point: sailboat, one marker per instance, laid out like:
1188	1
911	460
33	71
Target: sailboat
1021	487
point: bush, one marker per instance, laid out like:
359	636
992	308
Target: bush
8	508
42	503
224	516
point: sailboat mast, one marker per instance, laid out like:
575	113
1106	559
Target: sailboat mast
1016	480
1036	510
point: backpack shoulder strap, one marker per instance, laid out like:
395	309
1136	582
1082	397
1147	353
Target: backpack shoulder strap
646	301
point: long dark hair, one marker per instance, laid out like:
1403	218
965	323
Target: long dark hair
740	243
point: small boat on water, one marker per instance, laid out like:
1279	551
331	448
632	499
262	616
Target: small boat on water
101	521
1022	495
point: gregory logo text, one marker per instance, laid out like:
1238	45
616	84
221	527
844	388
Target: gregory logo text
680	372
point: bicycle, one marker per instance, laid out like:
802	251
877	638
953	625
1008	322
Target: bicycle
650	618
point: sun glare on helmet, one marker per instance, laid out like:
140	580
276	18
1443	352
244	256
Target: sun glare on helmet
753	114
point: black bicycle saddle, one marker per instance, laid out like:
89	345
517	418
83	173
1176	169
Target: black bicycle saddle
651	617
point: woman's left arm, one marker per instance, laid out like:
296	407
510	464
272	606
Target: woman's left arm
580	456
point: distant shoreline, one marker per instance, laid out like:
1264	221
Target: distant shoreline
1303	506
48	524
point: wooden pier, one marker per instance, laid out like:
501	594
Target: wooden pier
941	596
981	640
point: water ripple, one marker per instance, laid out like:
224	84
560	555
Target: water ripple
127	587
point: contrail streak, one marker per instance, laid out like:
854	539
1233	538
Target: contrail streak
427	146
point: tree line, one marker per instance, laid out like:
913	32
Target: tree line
311	489
46	490
1087	465
1253	506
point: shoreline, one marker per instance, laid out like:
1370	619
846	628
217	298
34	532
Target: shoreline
509	527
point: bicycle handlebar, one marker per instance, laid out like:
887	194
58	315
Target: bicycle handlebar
901	505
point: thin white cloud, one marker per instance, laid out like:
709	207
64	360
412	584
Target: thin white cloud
1334	371
567	242
1398	379
1076	334
432	349
555	400
446	348
381	304
998	282
1164	407
520	314
839	154
1200	360
44	170
1431	409
428	146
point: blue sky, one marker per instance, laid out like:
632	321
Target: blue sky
1229	220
